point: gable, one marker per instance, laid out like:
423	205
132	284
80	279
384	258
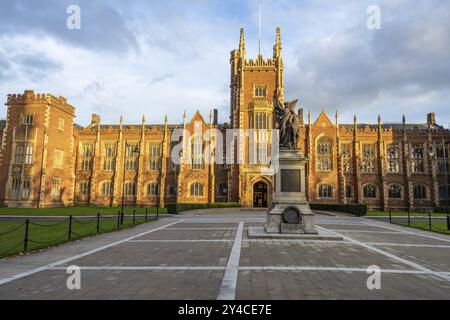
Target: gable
323	121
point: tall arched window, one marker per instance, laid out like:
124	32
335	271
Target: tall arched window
325	191
84	188
107	188
196	189
222	191
420	191
324	154
197	154
395	191
370	191
152	189
130	188
349	191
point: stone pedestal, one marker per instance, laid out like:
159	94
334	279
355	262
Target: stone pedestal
290	212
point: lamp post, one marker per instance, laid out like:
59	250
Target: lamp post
134	152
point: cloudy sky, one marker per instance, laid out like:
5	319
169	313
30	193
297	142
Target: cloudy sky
163	57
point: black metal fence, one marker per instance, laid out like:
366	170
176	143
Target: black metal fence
421	220
33	234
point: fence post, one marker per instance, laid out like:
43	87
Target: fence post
409	218
146	215
157	213
448	221
390	216
98	222
70	228
118	220
429	220
134	217
25	240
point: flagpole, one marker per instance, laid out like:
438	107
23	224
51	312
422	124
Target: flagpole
259	27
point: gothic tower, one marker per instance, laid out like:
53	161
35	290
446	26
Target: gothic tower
254	83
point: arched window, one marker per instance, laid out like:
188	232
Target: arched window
196	154
420	191
349	191
106	188
152	189
325	191
130	188
444	192
370	191
84	188
196	189
222	190
395	191
324	154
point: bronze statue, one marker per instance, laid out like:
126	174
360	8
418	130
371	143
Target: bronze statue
288	123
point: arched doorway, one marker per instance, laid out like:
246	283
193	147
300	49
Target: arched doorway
260	195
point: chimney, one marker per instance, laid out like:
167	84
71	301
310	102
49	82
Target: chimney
300	114
431	118
215	117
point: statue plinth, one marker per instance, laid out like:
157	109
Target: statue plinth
290	212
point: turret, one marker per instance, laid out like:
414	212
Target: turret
277	46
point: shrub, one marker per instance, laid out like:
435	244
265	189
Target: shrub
442	209
180	207
357	210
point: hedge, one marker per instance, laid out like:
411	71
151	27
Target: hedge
180	207
358	210
442	210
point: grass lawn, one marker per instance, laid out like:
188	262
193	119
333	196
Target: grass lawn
46	234
74	211
436	226
402	214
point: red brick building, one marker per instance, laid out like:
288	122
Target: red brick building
47	160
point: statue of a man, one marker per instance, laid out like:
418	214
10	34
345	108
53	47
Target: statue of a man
288	122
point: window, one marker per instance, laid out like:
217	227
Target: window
172	165
394	191
172	190
325	191
349	191
107	188
23	154
28	153
131	157
28	119
222	191
346	153
83	188
58	159
417	158
19	154
324	154
442	159
197	154
109	154
420	192
15	188
260	91
60	124
26	189
260	120
152	189
130	189
196	189
370	191
56	189
368	158
393	158
87	151
154	163
444	192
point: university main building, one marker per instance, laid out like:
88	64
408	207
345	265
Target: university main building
47	160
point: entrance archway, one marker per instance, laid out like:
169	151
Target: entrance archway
260	195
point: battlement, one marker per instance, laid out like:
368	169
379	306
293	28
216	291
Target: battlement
30	97
260	62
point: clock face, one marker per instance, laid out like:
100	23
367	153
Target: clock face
16	170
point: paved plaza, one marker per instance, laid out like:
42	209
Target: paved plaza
208	255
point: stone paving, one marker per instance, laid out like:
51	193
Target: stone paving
207	254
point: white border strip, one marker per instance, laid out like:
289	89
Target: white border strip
180	241
57	263
392	256
229	281
366	231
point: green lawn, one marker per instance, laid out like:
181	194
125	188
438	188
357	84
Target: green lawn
46	234
74	211
402	213
436	226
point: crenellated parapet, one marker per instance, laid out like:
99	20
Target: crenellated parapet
29	97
